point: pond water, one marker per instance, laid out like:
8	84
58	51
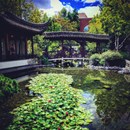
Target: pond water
107	94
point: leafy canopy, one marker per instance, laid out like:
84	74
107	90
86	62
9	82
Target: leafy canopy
115	17
18	7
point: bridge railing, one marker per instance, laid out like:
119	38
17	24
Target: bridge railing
55	59
80	61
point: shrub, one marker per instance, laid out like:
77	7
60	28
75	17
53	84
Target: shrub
95	59
59	109
7	87
43	60
108	58
111	55
112	58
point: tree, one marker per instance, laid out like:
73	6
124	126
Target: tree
45	18
70	18
66	25
95	26
63	13
35	16
115	17
20	8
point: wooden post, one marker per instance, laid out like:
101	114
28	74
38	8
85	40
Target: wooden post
7	47
20	42
26	47
62	61
0	48
82	49
32	46
83	61
70	50
62	51
98	49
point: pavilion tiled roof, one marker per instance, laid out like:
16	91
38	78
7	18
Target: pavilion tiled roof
15	21
68	35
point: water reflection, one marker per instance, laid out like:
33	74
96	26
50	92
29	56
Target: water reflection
108	95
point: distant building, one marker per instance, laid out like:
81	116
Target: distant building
84	22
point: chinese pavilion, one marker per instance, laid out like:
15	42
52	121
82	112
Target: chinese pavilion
14	33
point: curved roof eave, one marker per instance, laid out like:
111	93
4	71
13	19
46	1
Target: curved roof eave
25	25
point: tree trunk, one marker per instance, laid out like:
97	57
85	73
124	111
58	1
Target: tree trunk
118	43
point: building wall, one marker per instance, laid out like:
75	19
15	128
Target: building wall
17	63
83	23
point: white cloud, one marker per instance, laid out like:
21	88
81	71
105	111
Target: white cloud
89	1
56	7
90	11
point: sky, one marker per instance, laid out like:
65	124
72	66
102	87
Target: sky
52	7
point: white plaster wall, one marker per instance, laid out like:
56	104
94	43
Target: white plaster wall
17	63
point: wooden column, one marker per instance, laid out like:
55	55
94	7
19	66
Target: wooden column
46	52
70	49
26	47
20	42
82	49
98	49
0	49
32	46
62	51
7	47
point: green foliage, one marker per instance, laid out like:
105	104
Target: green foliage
40	82
95	26
102	59
18	7
91	47
111	55
115	17
95	59
111	94
67	25
59	108
63	13
38	44
7	87
45	18
35	16
54	26
69	21
44	60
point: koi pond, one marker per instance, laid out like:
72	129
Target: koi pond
107	95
